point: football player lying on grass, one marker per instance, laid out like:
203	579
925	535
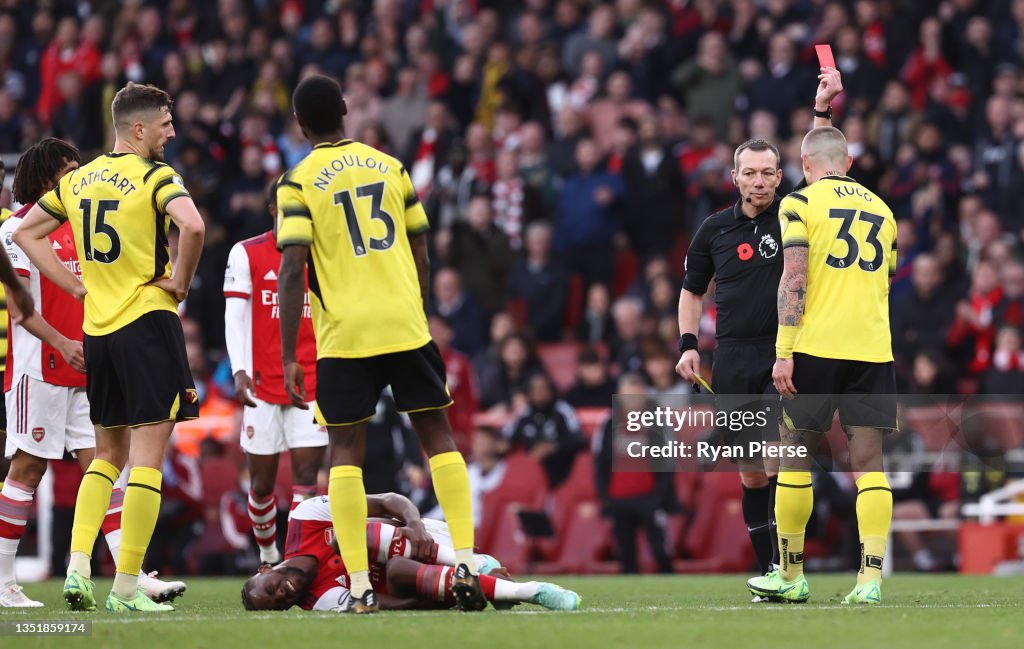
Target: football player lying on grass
411	565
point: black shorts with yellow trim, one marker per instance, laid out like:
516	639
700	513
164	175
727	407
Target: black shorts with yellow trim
863	393
347	389
139	374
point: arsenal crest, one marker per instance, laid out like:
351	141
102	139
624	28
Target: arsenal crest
38	433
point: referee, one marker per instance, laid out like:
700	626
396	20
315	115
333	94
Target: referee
741	248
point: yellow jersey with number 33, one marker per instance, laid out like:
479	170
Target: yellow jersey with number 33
850	234
355	207
117	205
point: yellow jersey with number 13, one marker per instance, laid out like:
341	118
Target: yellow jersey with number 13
850	234
355	207
117	205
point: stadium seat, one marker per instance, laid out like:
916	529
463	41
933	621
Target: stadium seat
219	476
559	359
578	488
936	425
510	543
524	484
717	538
591	419
587	546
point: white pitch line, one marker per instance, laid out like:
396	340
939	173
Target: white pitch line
243	616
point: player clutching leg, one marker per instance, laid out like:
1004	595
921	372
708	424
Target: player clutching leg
411	566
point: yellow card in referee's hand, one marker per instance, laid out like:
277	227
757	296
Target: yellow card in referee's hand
703	383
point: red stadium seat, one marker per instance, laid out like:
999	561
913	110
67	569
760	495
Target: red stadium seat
219	476
525	484
586	547
718	536
560	359
510	543
591	419
578	488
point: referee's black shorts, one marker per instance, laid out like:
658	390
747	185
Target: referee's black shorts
347	389
139	374
863	393
745	369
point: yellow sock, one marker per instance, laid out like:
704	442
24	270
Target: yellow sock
451	484
138	518
347	497
874	515
794	500
90	508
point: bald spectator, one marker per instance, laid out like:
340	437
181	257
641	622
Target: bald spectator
627	351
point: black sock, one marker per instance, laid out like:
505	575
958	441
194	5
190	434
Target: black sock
773	482
756	514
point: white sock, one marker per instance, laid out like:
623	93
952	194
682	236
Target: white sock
125	585
8	552
465	556
359	583
114	544
514	591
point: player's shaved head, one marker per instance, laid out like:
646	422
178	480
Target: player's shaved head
318	104
826	145
138	102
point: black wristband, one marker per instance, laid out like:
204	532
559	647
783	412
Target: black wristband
687	342
823	114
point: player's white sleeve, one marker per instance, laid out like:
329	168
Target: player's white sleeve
19	260
238	309
336	599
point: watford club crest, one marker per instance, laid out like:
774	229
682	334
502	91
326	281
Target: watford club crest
191	395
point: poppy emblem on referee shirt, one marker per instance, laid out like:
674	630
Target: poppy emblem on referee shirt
38	433
745	251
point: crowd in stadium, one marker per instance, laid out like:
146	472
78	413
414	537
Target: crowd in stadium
565	151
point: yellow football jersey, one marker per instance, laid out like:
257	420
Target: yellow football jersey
117	205
850	234
355	207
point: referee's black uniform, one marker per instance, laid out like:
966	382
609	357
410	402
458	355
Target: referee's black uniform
744	256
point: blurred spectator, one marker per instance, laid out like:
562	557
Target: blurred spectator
597	38
516	203
243	211
541	283
596	324
480	251
78	114
461	382
588	217
593	387
995	160
921	319
926	63
660	368
972	333
456	183
655	186
503	378
893	123
461	310
486	467
634	492
709	83
68	52
1009	311
626	349
394	461
931	374
1006	373
547	429
786	85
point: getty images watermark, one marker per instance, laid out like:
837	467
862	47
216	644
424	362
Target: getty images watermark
703	432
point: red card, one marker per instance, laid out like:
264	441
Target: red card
825	58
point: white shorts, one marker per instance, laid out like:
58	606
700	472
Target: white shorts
269	429
44	419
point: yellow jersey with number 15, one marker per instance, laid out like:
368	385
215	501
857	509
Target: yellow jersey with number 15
355	207
850	234
117	205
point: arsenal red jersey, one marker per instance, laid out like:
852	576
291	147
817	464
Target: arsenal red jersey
27	355
252	275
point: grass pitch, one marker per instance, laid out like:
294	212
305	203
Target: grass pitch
644	612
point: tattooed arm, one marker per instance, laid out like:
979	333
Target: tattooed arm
793	286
